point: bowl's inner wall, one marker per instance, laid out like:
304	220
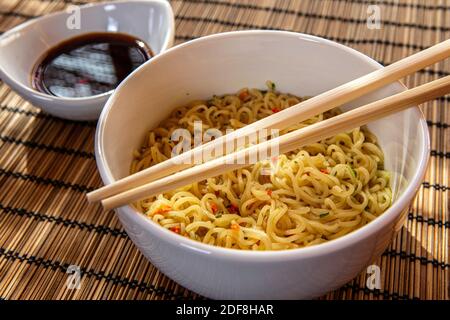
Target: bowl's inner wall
297	65
22	49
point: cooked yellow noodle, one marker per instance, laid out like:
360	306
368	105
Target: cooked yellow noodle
317	193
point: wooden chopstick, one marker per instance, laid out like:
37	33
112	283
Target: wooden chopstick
285	118
288	142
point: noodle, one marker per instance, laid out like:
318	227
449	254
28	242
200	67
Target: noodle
317	193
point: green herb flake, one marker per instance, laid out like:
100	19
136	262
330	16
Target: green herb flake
270	85
323	215
352	171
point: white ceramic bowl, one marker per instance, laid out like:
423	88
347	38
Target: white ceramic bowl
223	63
21	47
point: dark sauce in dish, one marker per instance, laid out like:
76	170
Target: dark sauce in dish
90	64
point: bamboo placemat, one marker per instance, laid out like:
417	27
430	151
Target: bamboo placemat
47	164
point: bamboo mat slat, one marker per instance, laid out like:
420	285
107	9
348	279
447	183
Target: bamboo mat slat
47	164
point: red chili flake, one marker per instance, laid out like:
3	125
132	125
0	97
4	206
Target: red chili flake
244	95
233	208
214	207
275	110
163	209
175	229
269	192
324	171
83	81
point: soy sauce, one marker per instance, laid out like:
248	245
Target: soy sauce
89	64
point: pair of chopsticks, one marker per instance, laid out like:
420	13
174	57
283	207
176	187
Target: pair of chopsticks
180	171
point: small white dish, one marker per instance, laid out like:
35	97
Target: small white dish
21	47
223	63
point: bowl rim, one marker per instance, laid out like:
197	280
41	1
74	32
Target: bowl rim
265	256
29	90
